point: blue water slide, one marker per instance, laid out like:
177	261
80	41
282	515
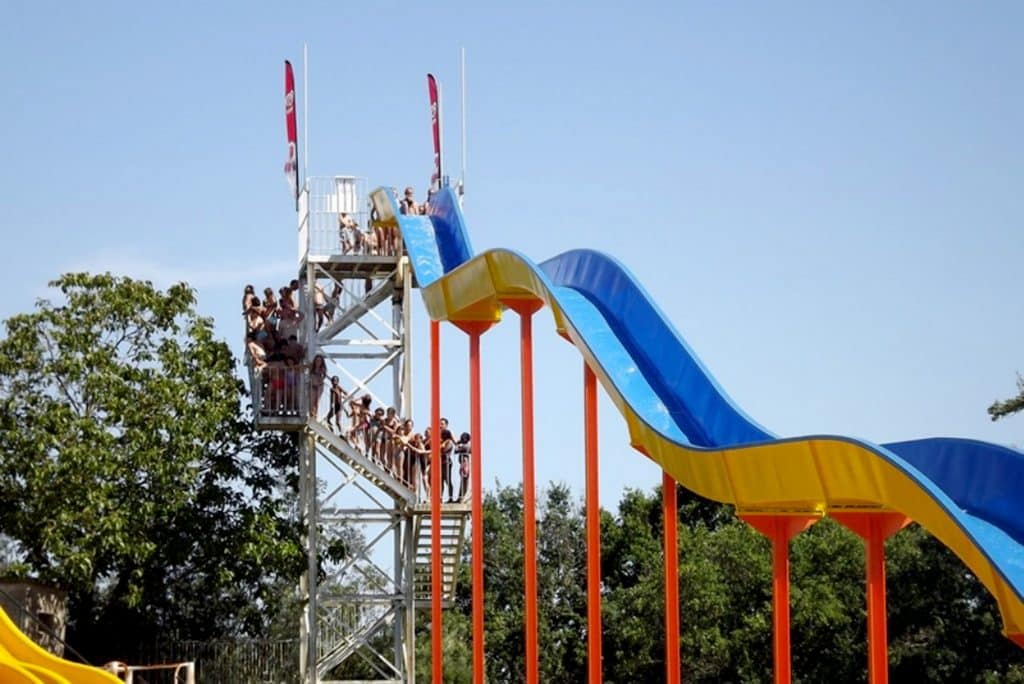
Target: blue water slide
660	379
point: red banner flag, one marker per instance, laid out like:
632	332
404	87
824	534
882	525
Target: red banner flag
291	167
435	122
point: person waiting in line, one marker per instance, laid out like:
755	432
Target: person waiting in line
425	207
289	319
337	400
376	434
463	451
270	308
413	452
408	205
351	236
419	447
292	373
317	375
333	302
377	230
319	306
249	299
294	292
256	351
358	432
446	447
369	243
294	351
276	351
403	459
389	430
254	321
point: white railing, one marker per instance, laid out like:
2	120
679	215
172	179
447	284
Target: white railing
323	201
181	673
279	391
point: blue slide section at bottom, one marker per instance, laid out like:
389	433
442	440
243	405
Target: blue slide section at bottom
985	480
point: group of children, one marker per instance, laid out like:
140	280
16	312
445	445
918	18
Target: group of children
272	341
391	442
381	239
272	327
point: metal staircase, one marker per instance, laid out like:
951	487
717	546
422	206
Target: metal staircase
454	520
360	463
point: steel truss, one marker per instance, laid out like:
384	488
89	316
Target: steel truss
366	533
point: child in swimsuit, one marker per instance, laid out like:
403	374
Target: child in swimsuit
359	434
376	435
337	403
463	449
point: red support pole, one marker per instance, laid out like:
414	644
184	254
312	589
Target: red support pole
435	503
475	466
874	529
780	606
594	670
671	541
780	529
878	639
529	499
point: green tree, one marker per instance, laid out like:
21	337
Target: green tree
130	473
943	625
1001	409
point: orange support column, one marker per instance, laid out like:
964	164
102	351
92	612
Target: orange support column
780	529
594	670
525	309
475	330
436	627
671	541
874	529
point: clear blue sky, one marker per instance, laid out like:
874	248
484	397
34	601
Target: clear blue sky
824	200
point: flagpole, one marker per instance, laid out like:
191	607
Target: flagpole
305	110
462	182
440	134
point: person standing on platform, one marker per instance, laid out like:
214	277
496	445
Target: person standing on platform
408	205
447	445
317	376
464	450
337	403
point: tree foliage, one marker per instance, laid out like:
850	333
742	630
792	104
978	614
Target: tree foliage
943	625
1001	409
130	474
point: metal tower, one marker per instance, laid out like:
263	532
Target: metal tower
367	534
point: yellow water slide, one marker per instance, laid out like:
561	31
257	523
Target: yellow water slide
23	661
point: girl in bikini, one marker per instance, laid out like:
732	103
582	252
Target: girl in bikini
358	435
317	375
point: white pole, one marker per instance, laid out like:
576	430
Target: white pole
462	182
305	110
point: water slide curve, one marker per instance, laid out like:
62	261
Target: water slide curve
964	492
24	662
